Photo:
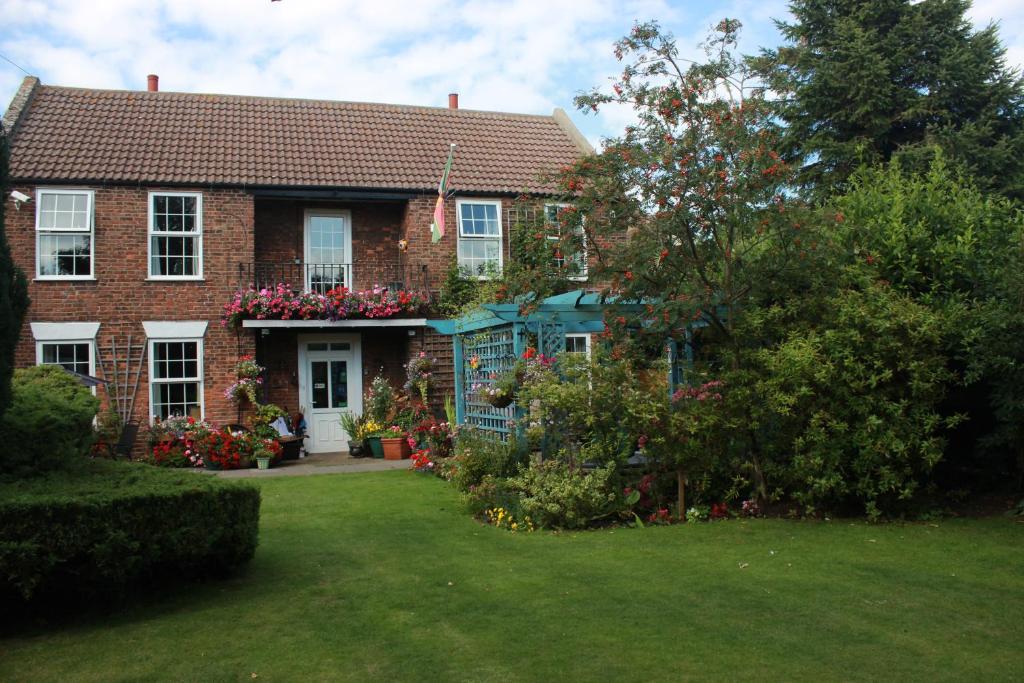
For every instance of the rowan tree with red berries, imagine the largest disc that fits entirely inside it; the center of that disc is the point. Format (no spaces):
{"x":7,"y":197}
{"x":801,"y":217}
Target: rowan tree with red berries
{"x":697,"y":184}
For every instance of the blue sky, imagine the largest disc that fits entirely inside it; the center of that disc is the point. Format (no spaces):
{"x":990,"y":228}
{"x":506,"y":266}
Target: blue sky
{"x":524,"y":56}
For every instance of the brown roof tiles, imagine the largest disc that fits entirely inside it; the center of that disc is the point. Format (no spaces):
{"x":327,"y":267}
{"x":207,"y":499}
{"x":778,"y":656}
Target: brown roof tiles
{"x":78,"y":135}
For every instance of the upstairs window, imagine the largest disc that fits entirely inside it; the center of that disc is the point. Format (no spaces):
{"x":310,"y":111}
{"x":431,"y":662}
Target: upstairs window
{"x":64,"y":234}
{"x":175,"y":235}
{"x":574,"y":263}
{"x":479,"y":248}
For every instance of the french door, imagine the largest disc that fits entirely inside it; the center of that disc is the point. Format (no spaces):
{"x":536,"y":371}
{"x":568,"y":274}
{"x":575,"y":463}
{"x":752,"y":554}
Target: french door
{"x":328,"y":247}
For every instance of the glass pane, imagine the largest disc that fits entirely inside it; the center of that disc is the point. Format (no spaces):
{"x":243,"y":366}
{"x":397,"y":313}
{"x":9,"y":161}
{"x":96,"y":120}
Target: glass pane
{"x":341,"y":346}
{"x":49,"y":202}
{"x":318,"y":384}
{"x":318,"y":346}
{"x":175,"y":398}
{"x":339,"y":384}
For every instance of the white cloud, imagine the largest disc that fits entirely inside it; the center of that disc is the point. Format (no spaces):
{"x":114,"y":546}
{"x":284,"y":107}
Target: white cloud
{"x":514,"y":55}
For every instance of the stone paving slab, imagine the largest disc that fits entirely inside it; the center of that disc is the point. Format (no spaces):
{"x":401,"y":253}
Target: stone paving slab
{"x":310,"y":466}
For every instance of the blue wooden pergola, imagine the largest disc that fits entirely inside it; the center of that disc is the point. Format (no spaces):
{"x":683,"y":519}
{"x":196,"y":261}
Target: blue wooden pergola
{"x":489,"y":341}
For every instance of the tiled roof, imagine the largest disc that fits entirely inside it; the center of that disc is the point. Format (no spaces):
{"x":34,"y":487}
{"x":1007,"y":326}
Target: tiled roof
{"x":79,"y":135}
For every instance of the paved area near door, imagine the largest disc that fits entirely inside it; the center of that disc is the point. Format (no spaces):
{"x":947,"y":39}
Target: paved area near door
{"x":321,"y":463}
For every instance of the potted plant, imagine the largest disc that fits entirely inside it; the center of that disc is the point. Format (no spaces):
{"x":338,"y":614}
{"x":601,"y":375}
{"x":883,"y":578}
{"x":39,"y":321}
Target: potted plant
{"x":248,"y":382}
{"x":395,"y":444}
{"x":351,"y":424}
{"x":371,"y":436}
{"x":263,"y":457}
{"x":502,"y":392}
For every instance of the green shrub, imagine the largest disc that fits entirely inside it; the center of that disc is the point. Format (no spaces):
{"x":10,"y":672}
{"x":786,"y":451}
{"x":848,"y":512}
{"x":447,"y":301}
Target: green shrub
{"x":477,"y":456}
{"x":92,"y":531}
{"x":492,"y":492}
{"x":554,"y":495}
{"x":49,"y":422}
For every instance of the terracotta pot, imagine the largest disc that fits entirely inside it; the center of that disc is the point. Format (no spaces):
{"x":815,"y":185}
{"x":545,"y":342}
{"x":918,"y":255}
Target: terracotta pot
{"x":395,"y":448}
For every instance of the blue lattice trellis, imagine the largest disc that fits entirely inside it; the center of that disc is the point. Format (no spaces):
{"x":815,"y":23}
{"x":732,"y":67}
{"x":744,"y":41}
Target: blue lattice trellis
{"x":489,"y":341}
{"x":485,"y":355}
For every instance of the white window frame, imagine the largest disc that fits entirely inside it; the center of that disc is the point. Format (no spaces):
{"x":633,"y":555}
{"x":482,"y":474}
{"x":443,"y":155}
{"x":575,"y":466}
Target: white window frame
{"x":586,"y":342}
{"x":66,"y":333}
{"x":53,"y":342}
{"x":176,"y":332}
{"x":90,"y":196}
{"x":500,"y":236}
{"x":197,"y":235}
{"x":582,"y":276}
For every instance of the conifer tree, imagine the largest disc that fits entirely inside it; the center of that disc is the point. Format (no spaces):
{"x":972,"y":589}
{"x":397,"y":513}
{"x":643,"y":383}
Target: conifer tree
{"x":13,"y":289}
{"x":864,"y":81}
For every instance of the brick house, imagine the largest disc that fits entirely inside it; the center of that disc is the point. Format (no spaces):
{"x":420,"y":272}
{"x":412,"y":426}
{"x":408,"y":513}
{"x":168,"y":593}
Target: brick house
{"x":148,"y":210}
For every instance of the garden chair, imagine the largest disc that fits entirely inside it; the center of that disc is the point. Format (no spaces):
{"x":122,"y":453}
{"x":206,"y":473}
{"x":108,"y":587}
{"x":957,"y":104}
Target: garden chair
{"x":123,"y":448}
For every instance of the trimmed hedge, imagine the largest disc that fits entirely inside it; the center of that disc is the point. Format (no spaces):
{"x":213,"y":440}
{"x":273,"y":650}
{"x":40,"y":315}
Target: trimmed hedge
{"x":95,"y":530}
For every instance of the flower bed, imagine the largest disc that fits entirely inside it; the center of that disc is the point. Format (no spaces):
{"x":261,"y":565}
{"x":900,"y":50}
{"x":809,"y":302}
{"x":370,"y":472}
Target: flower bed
{"x":283,"y":303}
{"x":186,"y":442}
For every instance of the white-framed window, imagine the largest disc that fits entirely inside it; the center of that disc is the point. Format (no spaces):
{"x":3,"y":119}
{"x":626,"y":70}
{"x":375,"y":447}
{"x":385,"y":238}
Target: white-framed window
{"x":578,"y":344}
{"x":75,"y":356}
{"x":64,"y":234}
{"x":175,"y":235}
{"x":576,"y":261}
{"x":175,"y":378}
{"x":479,"y":250}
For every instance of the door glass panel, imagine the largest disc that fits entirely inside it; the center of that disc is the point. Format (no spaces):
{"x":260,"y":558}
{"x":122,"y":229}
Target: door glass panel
{"x":341,"y":346}
{"x":318,"y":346}
{"x":339,"y":384}
{"x":318,"y":381}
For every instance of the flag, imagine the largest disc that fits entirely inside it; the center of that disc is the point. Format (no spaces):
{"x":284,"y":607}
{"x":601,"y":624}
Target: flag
{"x":437,"y":226}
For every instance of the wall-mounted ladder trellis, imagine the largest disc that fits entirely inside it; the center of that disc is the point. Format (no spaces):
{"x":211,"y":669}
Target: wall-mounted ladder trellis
{"x":121,"y":364}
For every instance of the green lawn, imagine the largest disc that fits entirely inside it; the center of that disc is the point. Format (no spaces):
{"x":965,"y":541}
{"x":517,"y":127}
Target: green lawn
{"x":382,"y":576}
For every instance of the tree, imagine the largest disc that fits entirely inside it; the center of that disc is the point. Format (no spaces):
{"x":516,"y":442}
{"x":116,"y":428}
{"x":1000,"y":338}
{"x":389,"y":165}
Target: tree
{"x":698,"y":184}
{"x":13,"y":289}
{"x":865,"y":81}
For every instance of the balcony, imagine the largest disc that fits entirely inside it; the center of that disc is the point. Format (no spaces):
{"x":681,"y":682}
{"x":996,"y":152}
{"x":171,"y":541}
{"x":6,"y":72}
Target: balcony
{"x":322,"y":277}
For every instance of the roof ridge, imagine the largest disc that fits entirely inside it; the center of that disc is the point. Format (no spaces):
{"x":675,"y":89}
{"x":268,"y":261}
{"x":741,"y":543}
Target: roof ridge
{"x":272,"y":99}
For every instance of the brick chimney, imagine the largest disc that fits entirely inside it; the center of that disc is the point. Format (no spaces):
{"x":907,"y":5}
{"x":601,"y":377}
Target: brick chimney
{"x":453,"y":100}
{"x":153,"y":83}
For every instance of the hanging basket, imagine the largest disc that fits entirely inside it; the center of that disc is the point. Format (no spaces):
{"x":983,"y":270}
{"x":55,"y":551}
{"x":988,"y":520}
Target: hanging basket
{"x":499,"y":400}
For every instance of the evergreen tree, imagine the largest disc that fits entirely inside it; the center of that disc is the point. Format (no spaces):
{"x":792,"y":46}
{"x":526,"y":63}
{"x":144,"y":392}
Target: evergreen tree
{"x":864,"y":81}
{"x":13,"y":289}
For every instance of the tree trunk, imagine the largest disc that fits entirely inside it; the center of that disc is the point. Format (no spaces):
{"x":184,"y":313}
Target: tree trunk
{"x":681,"y":483}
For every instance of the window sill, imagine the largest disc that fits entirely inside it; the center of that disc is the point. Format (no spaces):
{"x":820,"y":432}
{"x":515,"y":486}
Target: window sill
{"x":63,"y":278}
{"x":171,"y":278}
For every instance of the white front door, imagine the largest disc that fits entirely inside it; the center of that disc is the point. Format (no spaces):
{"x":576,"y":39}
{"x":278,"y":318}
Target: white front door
{"x":330,"y":382}
{"x":328,"y":249}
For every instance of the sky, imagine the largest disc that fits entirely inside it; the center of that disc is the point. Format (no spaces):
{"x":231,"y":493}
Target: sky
{"x":525,"y":56}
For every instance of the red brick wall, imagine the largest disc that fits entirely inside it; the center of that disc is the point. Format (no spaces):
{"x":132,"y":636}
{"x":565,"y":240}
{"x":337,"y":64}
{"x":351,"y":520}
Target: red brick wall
{"x":280,"y":226}
{"x":121,"y":297}
{"x":419,"y":213}
{"x":384,"y":348}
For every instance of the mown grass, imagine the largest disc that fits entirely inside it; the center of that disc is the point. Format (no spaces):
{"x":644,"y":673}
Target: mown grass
{"x":383,"y":577}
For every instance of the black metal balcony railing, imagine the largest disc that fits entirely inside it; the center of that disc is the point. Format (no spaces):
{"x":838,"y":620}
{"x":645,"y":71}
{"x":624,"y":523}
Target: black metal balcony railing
{"x":321,"y":277}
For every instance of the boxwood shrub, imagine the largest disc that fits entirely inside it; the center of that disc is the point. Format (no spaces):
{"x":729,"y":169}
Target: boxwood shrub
{"x":103,"y":528}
